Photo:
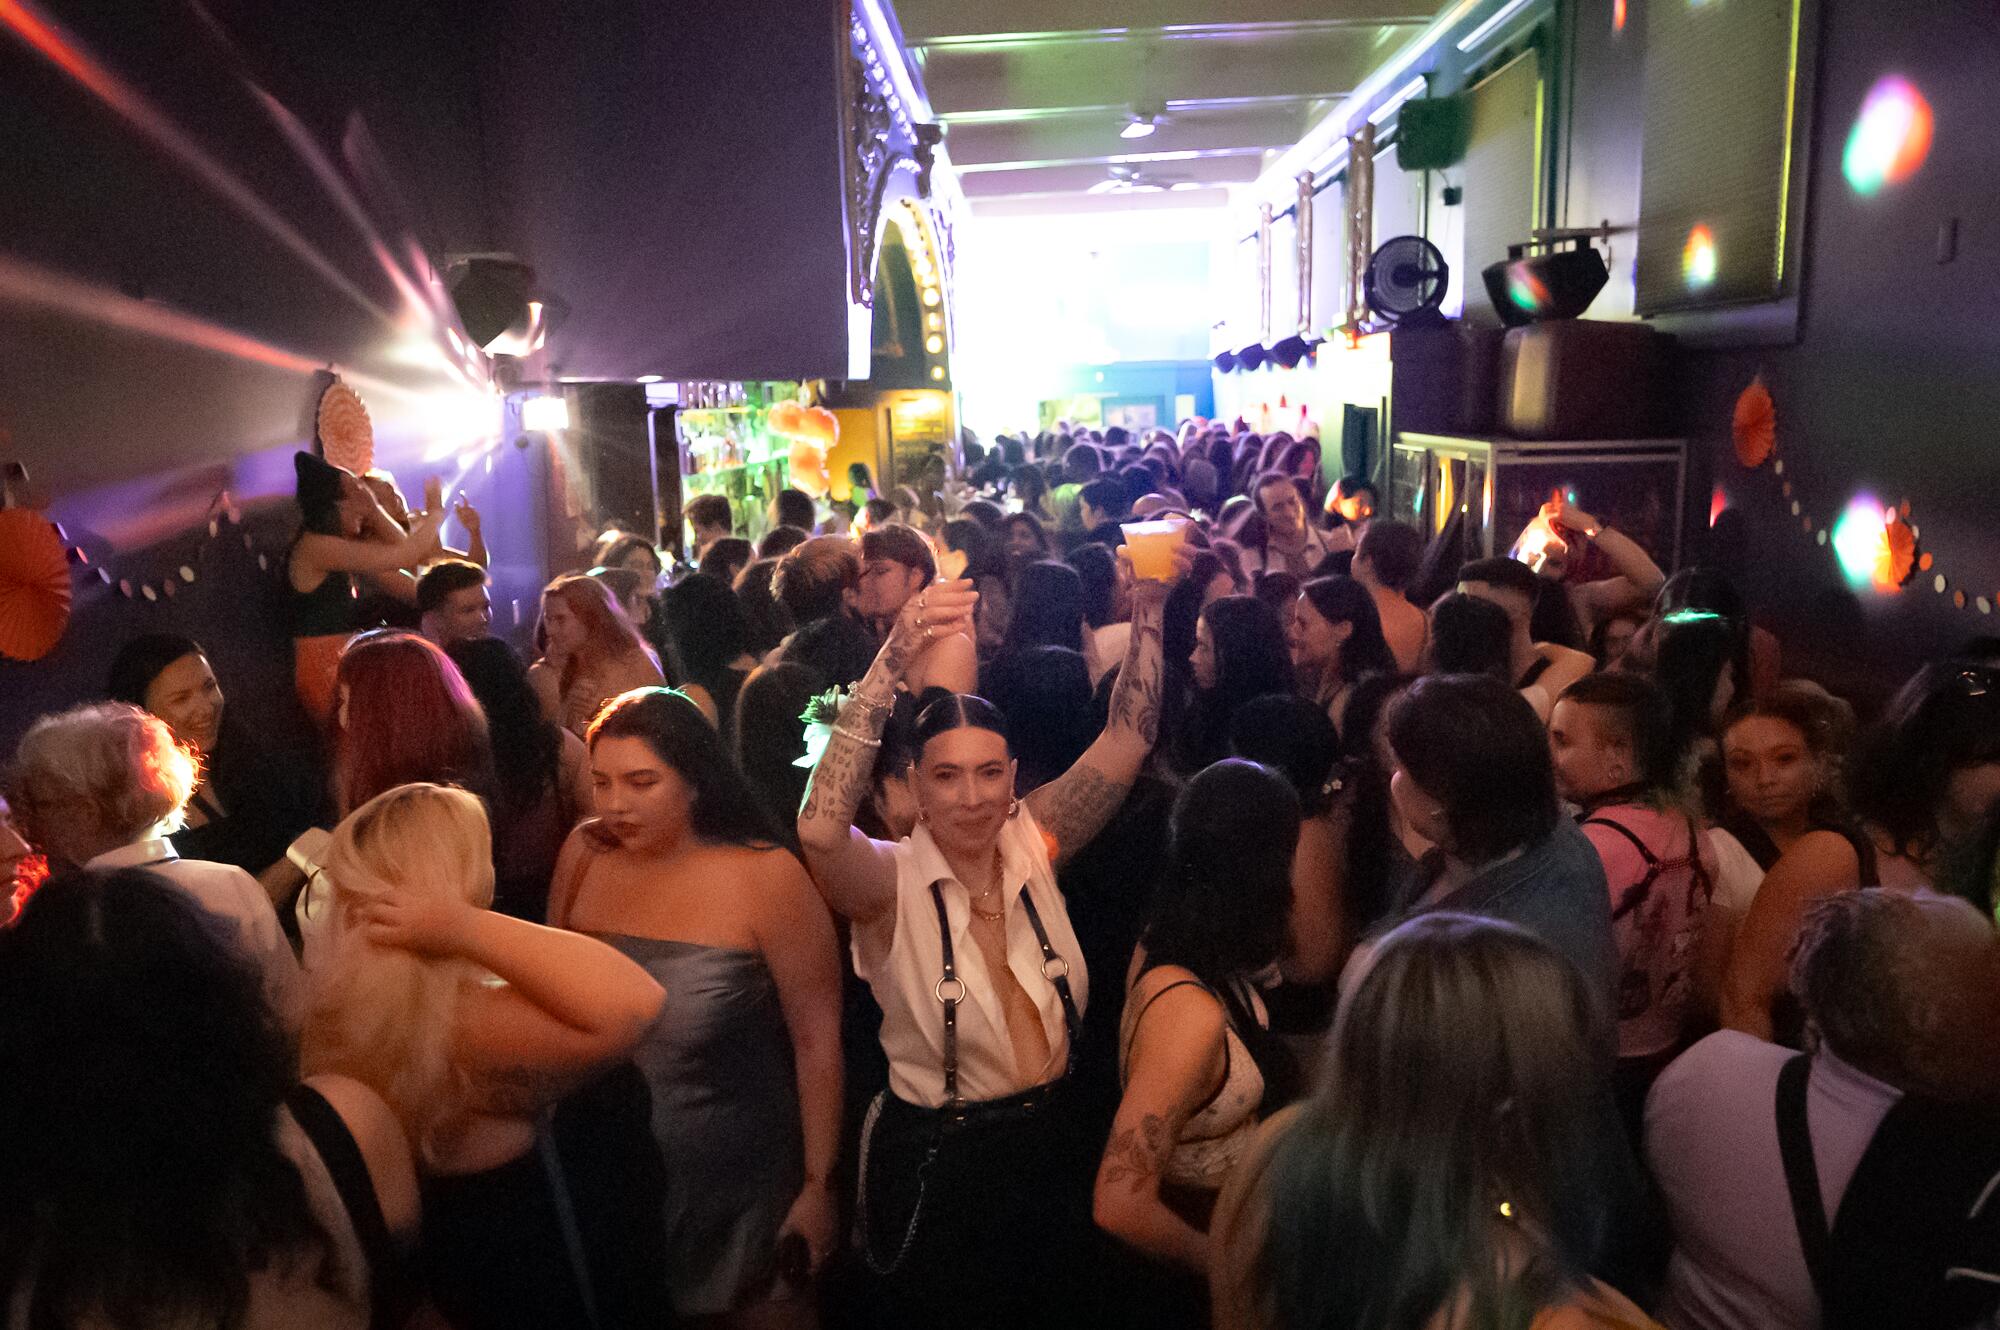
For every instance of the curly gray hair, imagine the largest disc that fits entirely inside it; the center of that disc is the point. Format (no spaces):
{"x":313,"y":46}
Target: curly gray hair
{"x":116,"y":761}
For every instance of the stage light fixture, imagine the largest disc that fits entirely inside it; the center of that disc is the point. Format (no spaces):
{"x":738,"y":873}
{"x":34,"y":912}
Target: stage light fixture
{"x":545,"y":414}
{"x":1556,"y":284}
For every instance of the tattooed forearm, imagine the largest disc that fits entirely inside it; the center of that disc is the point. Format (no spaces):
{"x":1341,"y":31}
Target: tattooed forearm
{"x":1074,"y":806}
{"x":839,"y":782}
{"x":1135,"y":703}
{"x":1135,"y":1155}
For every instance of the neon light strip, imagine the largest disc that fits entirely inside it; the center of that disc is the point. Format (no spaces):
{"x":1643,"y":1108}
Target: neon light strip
{"x":1326,"y":138}
{"x":1541,"y":167}
{"x":1395,"y":103}
{"x":1486,"y":29}
{"x":888,"y":45}
{"x":1785,"y":172}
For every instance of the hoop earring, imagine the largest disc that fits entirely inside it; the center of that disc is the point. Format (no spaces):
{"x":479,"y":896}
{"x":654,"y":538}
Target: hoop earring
{"x":1014,"y":808}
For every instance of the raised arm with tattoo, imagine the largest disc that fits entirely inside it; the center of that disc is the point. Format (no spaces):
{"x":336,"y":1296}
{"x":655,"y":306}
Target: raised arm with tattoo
{"x":1074,"y":807}
{"x":854,"y":873}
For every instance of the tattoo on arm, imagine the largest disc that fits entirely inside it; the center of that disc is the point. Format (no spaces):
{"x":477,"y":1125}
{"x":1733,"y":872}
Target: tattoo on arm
{"x":1074,"y":807}
{"x":840,"y":781}
{"x":1135,"y":705}
{"x":1135,"y":1155}
{"x":518,"y":1090}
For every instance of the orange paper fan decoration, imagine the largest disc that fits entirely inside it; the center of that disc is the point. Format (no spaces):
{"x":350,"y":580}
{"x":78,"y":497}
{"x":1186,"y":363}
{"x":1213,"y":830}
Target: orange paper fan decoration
{"x":1756,"y":424}
{"x":822,"y":425}
{"x":786,"y":418}
{"x":808,"y":466}
{"x":34,"y":585}
{"x":346,"y":435}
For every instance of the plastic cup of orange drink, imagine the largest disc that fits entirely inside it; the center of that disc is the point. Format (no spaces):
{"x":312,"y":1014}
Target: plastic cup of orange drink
{"x":1153,"y":544}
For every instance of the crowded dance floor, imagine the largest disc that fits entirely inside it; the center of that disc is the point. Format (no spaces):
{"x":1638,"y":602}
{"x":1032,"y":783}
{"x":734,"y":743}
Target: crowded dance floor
{"x":609,"y":719}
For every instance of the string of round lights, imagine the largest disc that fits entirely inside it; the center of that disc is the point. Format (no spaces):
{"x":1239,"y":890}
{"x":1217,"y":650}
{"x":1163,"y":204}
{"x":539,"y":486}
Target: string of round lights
{"x":1876,"y":545}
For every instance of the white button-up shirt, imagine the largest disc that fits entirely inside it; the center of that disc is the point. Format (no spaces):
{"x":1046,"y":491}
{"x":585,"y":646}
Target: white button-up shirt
{"x":229,"y":892}
{"x":902,"y":958}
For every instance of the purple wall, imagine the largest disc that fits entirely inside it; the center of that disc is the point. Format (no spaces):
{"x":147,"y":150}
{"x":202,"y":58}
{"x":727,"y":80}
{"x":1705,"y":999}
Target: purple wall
{"x":207,"y":206}
{"x":1890,"y":388}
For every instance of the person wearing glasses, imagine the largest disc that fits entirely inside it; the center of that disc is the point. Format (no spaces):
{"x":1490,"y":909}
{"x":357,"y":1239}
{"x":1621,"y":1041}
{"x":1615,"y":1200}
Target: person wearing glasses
{"x":1926,"y":778}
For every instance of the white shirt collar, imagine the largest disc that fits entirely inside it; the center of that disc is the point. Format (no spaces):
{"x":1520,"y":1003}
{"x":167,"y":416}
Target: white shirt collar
{"x":151,"y":850}
{"x":1015,"y":865}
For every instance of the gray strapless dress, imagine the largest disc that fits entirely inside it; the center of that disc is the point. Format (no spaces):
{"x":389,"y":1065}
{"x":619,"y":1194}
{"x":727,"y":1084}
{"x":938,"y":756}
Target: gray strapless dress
{"x":725,"y":1114}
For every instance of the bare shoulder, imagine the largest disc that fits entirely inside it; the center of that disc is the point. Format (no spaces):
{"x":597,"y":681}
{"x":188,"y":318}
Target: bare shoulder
{"x":384,"y":1146}
{"x":1176,"y":1000}
{"x":1819,"y":856}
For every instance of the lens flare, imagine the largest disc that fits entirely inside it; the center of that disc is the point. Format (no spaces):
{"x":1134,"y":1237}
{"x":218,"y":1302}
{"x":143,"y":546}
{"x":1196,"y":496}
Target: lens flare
{"x":1874,"y":545}
{"x":1890,"y":139}
{"x":1698,"y":257}
{"x":1529,"y":293}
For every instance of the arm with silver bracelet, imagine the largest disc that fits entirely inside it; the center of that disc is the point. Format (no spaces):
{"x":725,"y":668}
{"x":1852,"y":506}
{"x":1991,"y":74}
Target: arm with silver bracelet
{"x":856,"y":875}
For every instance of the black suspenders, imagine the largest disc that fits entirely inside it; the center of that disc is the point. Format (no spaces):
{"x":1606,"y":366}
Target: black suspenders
{"x":950,"y":989}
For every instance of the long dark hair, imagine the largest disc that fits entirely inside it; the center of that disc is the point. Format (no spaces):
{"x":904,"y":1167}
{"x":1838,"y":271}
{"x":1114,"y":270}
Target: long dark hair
{"x":1048,"y":609}
{"x":527,"y":746}
{"x":1470,"y":635}
{"x":1252,"y":659}
{"x":981,"y":548}
{"x":1344,"y":600}
{"x":1098,"y":567}
{"x":1183,"y":607}
{"x":770,"y":737}
{"x":726,"y":810}
{"x":706,"y":629}
{"x":1222,"y":909}
{"x":1691,"y":652}
{"x":1945,"y":719}
{"x":141,"y":1076}
{"x":319,"y":489}
{"x":1461,"y":1093}
{"x":1045,"y":695}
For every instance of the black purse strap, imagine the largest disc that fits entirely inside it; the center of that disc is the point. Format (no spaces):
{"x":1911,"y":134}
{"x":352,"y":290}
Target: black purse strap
{"x":1802,"y":1176}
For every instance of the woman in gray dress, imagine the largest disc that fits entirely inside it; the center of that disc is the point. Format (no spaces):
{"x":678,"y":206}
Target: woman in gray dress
{"x":681,"y":872}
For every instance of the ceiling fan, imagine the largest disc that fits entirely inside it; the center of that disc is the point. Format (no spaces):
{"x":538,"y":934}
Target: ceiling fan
{"x":1127,"y":179}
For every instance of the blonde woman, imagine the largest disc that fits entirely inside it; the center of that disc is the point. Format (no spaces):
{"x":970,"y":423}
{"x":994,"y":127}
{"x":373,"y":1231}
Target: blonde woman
{"x":589,"y":653}
{"x":470,"y":1025}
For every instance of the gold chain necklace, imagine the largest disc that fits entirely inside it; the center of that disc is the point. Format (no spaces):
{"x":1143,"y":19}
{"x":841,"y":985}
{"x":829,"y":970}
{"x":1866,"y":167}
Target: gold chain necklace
{"x":973,"y":898}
